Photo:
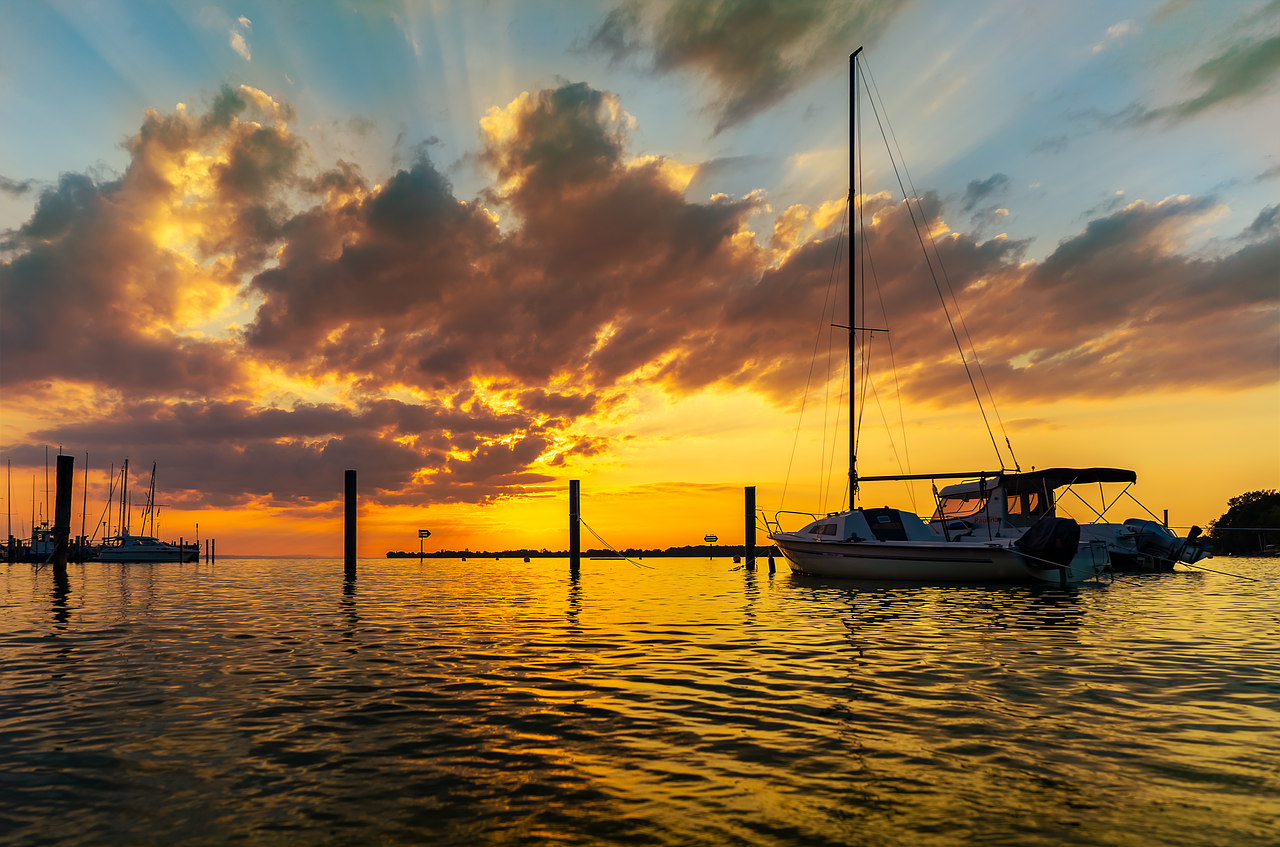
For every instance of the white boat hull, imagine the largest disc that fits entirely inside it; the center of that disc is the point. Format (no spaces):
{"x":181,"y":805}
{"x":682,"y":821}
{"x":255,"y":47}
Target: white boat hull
{"x":142,"y":550}
{"x":922,"y":561}
{"x":147,"y":557}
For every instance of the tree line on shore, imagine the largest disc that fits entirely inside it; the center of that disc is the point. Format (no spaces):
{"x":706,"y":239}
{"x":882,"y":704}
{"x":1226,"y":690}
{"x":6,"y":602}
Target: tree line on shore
{"x":1240,"y":531}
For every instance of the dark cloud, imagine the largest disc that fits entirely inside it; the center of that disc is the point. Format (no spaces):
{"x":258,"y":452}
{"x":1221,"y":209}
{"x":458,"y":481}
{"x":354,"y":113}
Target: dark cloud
{"x":617,"y":36}
{"x":981,"y":191}
{"x":1117,"y":310}
{"x":1242,"y":72}
{"x":602,"y":276}
{"x":1266,"y":224}
{"x":753,"y":53}
{"x":1270,"y":173}
{"x":15,"y":188}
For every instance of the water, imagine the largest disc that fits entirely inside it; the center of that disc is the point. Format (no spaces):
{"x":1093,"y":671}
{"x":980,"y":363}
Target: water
{"x":484,"y":702}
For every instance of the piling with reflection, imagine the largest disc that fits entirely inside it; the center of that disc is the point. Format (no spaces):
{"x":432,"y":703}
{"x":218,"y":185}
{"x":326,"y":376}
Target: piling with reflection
{"x":575,"y":512}
{"x":749,"y":507}
{"x":349,"y":534}
{"x":62,"y":514}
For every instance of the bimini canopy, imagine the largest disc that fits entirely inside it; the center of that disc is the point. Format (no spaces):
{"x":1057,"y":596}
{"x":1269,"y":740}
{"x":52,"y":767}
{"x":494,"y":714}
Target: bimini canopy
{"x":1042,"y":481}
{"x":1058,"y":477}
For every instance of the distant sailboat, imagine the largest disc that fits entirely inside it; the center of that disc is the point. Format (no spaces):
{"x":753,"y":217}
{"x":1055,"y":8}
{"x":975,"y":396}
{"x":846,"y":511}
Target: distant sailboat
{"x":124,"y":547}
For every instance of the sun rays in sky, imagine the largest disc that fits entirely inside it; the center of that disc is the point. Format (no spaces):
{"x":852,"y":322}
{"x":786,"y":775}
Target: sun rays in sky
{"x":476,"y":250}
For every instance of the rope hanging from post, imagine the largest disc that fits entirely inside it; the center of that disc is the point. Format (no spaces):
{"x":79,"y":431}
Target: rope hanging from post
{"x":610,"y":546}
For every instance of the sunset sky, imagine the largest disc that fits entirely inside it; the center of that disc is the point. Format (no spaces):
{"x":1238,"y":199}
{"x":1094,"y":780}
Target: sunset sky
{"x":474,"y":250}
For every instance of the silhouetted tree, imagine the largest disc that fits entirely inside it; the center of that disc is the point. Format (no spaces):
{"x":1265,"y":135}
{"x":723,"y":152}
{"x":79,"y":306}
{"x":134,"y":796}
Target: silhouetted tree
{"x":1254,"y":508}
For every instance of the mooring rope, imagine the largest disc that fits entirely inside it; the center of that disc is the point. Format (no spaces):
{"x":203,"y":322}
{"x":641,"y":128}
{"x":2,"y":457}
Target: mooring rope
{"x":611,"y":547}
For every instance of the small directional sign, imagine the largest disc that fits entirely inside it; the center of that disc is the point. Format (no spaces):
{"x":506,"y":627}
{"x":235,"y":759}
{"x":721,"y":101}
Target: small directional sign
{"x":711,"y":539}
{"x":424,"y":533}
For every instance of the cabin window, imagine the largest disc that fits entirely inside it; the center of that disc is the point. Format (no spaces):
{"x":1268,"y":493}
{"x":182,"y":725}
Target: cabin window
{"x":824,"y":529}
{"x":1026,"y":504}
{"x":959,"y":506}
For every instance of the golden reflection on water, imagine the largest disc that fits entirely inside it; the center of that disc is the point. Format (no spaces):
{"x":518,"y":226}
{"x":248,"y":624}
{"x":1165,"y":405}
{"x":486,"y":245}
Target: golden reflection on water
{"x":491,"y":701}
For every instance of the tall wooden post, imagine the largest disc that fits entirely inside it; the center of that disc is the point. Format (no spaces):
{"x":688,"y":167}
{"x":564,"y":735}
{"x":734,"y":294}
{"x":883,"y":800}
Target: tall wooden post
{"x":749,"y":507}
{"x":62,"y":514}
{"x":349,"y":535}
{"x":575,"y":513}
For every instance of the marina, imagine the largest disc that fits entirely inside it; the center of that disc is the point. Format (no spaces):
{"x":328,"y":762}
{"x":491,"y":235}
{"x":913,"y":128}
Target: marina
{"x":272,"y":700}
{"x":782,"y":472}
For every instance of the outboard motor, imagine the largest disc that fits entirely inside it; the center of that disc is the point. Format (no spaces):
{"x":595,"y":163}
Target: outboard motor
{"x":1053,"y":540}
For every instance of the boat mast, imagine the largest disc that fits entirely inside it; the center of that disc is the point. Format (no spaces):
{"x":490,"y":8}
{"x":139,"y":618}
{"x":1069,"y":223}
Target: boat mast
{"x":124,"y":498}
{"x":854,"y":217}
{"x":150,"y":512}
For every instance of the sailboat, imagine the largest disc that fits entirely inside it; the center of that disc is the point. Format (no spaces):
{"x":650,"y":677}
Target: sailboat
{"x":970,"y":542}
{"x":124,"y":547}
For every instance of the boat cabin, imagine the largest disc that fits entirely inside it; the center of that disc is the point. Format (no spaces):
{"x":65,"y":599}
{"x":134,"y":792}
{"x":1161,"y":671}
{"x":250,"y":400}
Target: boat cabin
{"x":1006,"y":504}
{"x":883,"y":524}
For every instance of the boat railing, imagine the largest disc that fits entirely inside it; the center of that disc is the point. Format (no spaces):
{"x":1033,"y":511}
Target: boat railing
{"x":776,"y":524}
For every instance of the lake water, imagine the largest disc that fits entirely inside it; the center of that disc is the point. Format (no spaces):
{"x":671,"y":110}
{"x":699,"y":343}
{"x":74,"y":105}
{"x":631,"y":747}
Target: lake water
{"x":504,"y":702}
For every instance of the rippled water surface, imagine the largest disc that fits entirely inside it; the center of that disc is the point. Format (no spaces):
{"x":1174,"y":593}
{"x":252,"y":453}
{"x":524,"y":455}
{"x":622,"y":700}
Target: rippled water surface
{"x":504,"y":702}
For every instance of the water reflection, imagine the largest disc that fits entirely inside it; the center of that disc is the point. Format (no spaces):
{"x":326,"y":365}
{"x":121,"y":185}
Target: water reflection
{"x":347,"y":605}
{"x":60,"y":594}
{"x":737,"y":709}
{"x":575,"y":599}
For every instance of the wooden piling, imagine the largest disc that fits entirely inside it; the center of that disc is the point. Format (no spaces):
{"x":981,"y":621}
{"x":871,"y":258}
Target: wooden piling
{"x":62,"y":514}
{"x":749,"y":507}
{"x":349,"y":523}
{"x":575,"y":515}
{"x":213,"y":550}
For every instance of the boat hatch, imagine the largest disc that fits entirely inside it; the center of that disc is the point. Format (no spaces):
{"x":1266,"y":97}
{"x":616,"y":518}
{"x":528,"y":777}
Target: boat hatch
{"x":886,"y":524}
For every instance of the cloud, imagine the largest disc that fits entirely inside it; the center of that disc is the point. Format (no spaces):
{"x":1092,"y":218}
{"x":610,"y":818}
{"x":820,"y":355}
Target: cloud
{"x":752,"y":53}
{"x":981,"y":191}
{"x":1265,"y":225}
{"x":1269,"y":174}
{"x":1115,"y":34}
{"x":238,"y":43}
{"x":1242,"y":72}
{"x":15,"y":188}
{"x":400,"y":329}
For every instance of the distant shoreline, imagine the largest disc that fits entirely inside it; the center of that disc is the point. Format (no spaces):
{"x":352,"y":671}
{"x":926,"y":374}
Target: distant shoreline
{"x":712,"y":550}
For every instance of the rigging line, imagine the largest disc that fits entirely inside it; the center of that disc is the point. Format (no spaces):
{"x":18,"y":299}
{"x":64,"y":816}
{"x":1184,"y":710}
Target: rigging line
{"x":835,"y":439}
{"x":610,"y":546}
{"x":893,"y":364}
{"x":1135,"y":499}
{"x":1223,"y":573}
{"x":959,"y":312}
{"x":892,"y":445}
{"x":1072,"y":492}
{"x":833,"y":289}
{"x":938,"y":286}
{"x":835,"y":261}
{"x":823,"y":467}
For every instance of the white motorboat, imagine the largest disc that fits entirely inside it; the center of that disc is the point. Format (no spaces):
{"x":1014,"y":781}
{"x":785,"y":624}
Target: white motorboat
{"x":894,"y":544}
{"x":1006,"y":505}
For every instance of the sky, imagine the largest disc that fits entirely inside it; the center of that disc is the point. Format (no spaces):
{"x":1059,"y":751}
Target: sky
{"x":476,"y":250}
